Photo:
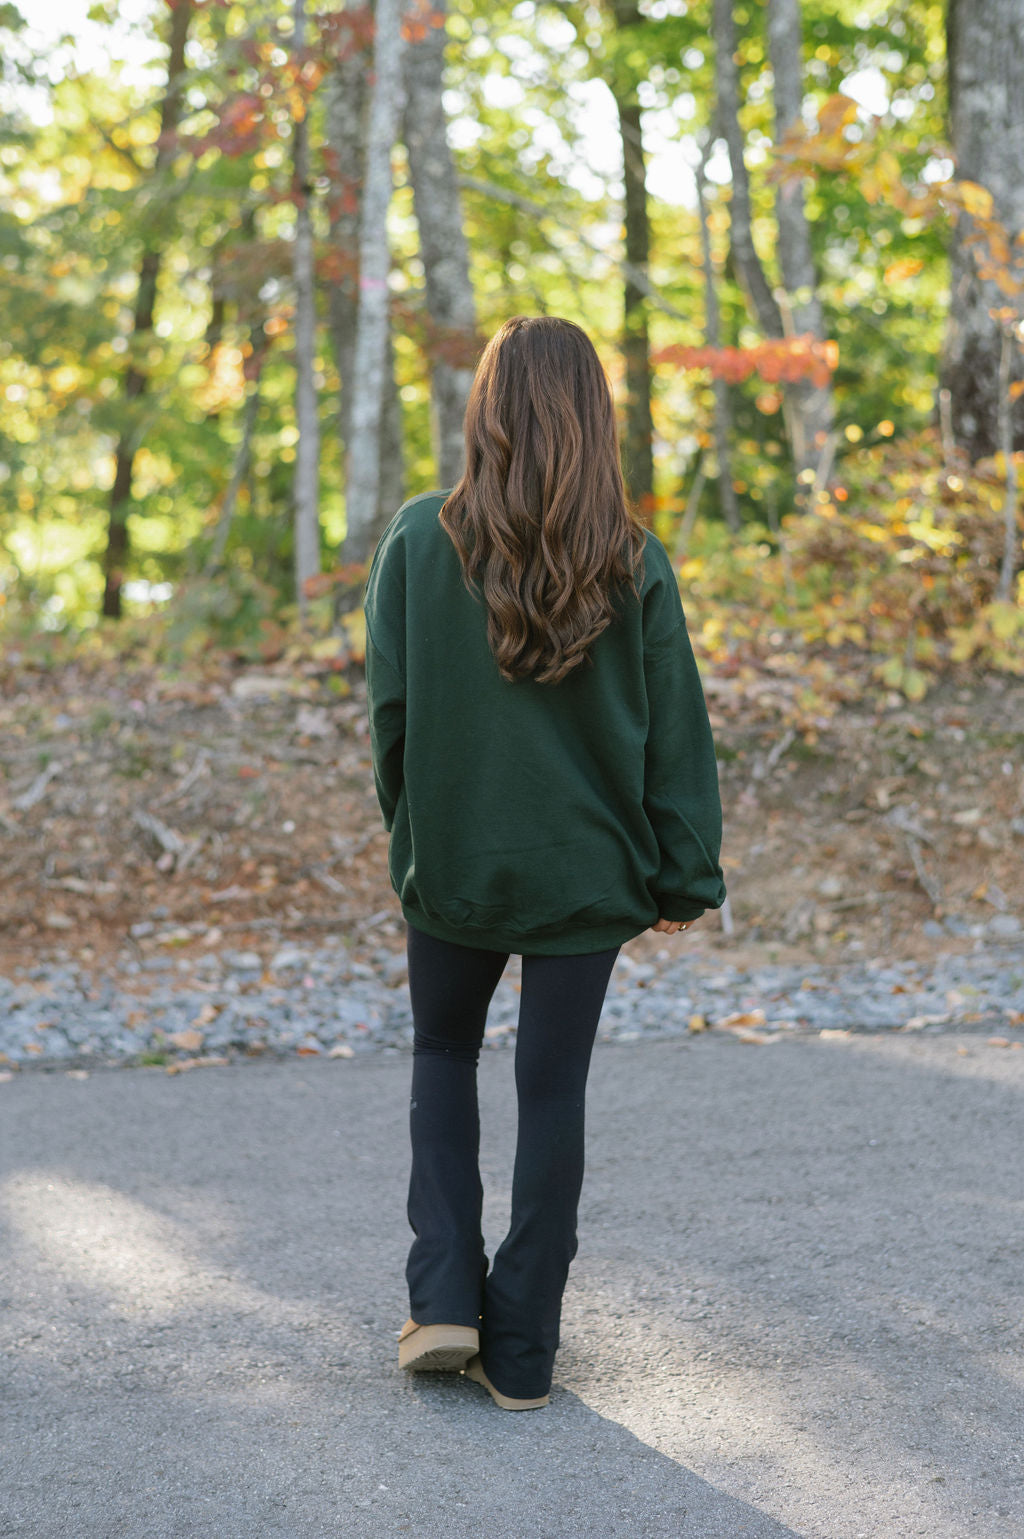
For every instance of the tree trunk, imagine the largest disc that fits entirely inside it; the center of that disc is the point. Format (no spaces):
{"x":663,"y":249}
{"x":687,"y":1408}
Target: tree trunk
{"x":239,"y":473}
{"x":135,"y":379}
{"x":985,"y":46}
{"x":346,"y":140}
{"x":369,"y":368}
{"x":347,"y":101}
{"x":727,"y":90}
{"x":638,"y":442}
{"x":785,"y":47}
{"x":443,"y":248}
{"x":713,"y":335}
{"x":1011,"y":534}
{"x":306,"y":483}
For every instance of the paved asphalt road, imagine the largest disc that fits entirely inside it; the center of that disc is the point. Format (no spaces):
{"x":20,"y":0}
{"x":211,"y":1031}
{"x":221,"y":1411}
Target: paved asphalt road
{"x":797,"y":1308}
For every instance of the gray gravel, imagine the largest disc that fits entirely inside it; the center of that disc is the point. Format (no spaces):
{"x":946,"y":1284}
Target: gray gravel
{"x":316,"y":999}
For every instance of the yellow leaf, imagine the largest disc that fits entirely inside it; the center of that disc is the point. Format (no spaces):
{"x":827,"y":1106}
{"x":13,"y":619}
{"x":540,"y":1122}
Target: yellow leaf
{"x":977,"y":200}
{"x":327,"y":647}
{"x":1005,"y":619}
{"x":909,"y":267}
{"x":1006,"y":283}
{"x":888,"y":170}
{"x":835,"y":113}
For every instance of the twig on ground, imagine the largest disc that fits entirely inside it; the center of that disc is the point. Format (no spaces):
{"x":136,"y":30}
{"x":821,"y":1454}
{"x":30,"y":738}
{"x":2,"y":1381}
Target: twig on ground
{"x":326,"y":879}
{"x":930,"y":883}
{"x":165,"y":837}
{"x":908,"y":825}
{"x":37,"y":790}
{"x":348,"y":849}
{"x":199,"y":768}
{"x":866,"y":900}
{"x":189,"y":853}
{"x":764,"y":769}
{"x":914,"y":835}
{"x":86,"y":889}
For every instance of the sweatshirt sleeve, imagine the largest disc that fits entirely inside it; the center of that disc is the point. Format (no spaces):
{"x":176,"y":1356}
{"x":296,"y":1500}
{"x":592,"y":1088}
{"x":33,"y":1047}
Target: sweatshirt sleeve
{"x":385,"y":699}
{"x":385,"y":675}
{"x":681,"y":796}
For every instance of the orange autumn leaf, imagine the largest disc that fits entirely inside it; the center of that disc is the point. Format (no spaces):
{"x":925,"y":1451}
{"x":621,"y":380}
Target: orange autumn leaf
{"x":909,"y":267}
{"x":777,"y":360}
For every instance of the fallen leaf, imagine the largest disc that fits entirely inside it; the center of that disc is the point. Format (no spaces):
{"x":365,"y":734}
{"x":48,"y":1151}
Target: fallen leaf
{"x":209,"y":1061}
{"x":742,"y":1018}
{"x":189,"y":1040}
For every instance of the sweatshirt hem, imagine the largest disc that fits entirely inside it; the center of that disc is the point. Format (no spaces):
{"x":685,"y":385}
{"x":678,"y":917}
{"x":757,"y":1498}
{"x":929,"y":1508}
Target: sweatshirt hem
{"x":580,"y":941}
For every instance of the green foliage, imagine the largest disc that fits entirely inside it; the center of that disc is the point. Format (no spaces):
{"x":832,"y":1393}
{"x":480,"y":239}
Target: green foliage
{"x":899,"y":565}
{"x":890,"y":581}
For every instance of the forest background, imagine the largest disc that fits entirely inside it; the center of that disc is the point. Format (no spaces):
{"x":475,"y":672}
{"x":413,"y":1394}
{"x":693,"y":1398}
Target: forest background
{"x":249,"y":254}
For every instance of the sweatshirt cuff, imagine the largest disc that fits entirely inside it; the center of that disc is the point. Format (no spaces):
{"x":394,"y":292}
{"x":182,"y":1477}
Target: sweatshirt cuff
{"x":679,"y":909}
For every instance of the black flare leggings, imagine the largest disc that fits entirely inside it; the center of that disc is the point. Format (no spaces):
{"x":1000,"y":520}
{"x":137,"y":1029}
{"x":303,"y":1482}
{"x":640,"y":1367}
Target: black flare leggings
{"x":518,"y":1304}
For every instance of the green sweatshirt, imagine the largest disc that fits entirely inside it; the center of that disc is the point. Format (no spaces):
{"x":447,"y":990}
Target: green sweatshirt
{"x":535,"y":818}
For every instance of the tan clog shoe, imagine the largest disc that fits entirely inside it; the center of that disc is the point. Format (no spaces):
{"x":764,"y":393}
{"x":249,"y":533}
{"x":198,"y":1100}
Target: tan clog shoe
{"x":474,"y":1370}
{"x":436,"y":1347}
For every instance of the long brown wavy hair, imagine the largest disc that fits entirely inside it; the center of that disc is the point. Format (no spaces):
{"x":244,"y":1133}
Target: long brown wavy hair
{"x":540,"y":514}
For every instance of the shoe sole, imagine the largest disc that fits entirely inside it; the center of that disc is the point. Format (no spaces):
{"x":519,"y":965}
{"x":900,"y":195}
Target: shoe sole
{"x":474,"y":1370}
{"x":438,"y":1348}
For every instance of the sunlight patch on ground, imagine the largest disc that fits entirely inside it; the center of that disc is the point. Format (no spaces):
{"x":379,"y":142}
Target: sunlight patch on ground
{"x":91,"y":1235}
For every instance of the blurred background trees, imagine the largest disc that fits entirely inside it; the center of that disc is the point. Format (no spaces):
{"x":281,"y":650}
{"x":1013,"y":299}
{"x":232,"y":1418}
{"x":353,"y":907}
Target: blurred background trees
{"x":249,"y":254}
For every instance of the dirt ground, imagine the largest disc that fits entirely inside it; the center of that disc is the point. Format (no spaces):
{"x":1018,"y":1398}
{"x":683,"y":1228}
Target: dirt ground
{"x":234,"y":807}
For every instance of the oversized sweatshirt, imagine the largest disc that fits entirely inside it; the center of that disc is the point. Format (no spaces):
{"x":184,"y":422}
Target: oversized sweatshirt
{"x":525,"y":817}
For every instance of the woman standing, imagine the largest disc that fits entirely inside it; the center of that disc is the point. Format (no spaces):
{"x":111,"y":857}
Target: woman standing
{"x":544,"y":764}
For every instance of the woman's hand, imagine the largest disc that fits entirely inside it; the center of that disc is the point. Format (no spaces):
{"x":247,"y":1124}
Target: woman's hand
{"x":670,"y":926}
